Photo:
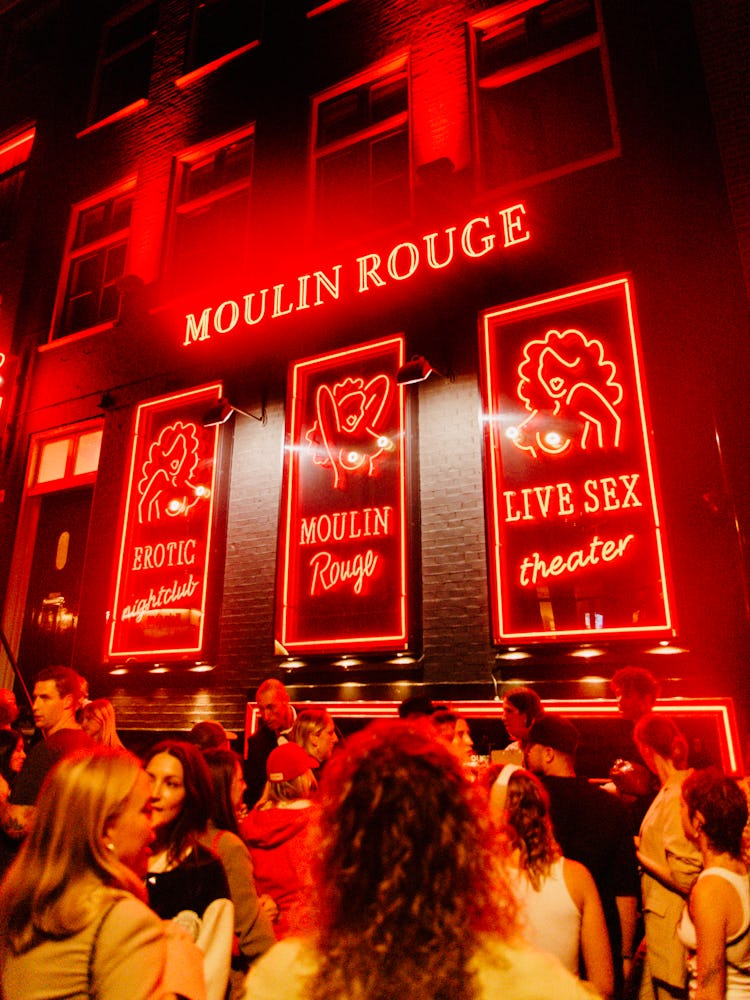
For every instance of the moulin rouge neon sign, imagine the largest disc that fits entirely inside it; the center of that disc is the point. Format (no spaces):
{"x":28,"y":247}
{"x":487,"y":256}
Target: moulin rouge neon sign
{"x":160,"y":597}
{"x":342,"y":566}
{"x":575,"y":528}
{"x":435,"y":251}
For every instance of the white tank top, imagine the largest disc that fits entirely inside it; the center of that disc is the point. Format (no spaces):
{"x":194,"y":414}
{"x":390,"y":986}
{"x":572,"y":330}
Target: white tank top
{"x":550,"y":919}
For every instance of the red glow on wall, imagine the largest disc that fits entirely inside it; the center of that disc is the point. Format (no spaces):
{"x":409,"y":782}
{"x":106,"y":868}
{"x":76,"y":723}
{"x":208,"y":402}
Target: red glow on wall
{"x":574,"y":524}
{"x":159,"y":606}
{"x":342,"y":566}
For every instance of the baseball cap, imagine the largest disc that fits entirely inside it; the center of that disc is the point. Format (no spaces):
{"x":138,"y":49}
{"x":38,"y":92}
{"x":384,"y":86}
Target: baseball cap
{"x":555,"y":732}
{"x":289,"y":761}
{"x":209,"y":735}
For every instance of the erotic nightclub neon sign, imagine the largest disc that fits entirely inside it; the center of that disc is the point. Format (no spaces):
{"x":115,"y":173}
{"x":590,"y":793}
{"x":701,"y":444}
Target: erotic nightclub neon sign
{"x":575,"y":529}
{"x":435,"y":251}
{"x":160,"y":591}
{"x":342,"y":566}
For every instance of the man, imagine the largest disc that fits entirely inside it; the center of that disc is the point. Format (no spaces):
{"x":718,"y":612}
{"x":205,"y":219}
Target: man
{"x":57,"y":693}
{"x":276,"y":722}
{"x":636,"y":690}
{"x":591,"y":827}
{"x":8,"y":708}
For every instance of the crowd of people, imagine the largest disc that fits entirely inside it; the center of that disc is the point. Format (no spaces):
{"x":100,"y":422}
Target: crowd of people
{"x":365,"y":867}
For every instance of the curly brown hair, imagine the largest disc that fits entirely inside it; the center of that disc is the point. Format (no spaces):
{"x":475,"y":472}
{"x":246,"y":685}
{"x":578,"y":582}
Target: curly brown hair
{"x":407,"y":877}
{"x":528,"y":827}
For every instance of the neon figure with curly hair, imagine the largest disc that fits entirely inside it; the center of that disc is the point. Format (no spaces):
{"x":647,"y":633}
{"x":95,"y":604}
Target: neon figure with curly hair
{"x":166,"y":485}
{"x":570,"y":391}
{"x":347,"y":434}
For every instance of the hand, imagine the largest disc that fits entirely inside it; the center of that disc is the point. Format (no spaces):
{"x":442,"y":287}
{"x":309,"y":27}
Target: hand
{"x":269,"y":906}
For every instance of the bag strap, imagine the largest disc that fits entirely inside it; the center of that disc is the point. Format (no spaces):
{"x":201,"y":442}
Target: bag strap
{"x":90,"y":973}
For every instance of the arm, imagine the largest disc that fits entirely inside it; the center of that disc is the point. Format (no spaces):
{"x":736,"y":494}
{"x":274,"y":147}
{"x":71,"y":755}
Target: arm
{"x":597,"y":954}
{"x":627,"y":908}
{"x":709,"y":912}
{"x":251,"y":920}
{"x":16,"y":820}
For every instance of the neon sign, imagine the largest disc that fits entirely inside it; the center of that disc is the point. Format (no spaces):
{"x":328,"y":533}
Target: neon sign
{"x":343,"y":567}
{"x":574,"y":524}
{"x":160,"y":597}
{"x":477,"y":238}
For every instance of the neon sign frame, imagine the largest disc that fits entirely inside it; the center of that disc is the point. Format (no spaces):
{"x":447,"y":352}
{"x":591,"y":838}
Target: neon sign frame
{"x":171,"y":452}
{"x":719,"y":711}
{"x":345,"y":483}
{"x":569,"y":455}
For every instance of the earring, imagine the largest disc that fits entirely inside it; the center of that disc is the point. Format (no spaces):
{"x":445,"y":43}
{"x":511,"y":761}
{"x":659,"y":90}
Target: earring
{"x":109,"y":845}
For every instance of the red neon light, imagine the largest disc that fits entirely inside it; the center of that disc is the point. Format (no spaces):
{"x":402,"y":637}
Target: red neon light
{"x":720,"y":711}
{"x":159,"y":606}
{"x":574,"y":523}
{"x":343,"y":568}
{"x":477,"y":238}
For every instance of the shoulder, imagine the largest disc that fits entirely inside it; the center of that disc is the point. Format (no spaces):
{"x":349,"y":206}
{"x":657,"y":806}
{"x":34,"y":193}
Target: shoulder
{"x":284,"y":970}
{"x":518,"y":970}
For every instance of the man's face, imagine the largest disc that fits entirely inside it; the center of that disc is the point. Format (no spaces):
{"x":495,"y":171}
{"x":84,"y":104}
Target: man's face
{"x":533,"y":758}
{"x":633,"y":705}
{"x":48,"y":707}
{"x":273,"y":708}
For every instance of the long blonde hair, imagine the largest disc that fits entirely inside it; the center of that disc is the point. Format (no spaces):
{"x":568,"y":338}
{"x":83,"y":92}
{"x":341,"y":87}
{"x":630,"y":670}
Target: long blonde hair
{"x":49,"y":890}
{"x":103,"y":712}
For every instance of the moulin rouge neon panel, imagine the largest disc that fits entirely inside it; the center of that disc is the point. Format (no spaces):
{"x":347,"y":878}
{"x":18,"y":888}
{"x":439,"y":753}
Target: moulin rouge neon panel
{"x":575,"y":530}
{"x":160,"y":594}
{"x":343,"y":572}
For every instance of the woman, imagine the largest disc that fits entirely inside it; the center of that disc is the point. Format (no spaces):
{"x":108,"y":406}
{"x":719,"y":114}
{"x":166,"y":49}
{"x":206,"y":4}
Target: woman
{"x":562,"y":911}
{"x":715,"y":925}
{"x":73,"y":916}
{"x":315,"y":732}
{"x":669,"y":861}
{"x":521,"y":708}
{"x":252,"y":925}
{"x":275,"y":830}
{"x":12,"y":756}
{"x":409,"y":899}
{"x":98,"y":721}
{"x":454,"y":731}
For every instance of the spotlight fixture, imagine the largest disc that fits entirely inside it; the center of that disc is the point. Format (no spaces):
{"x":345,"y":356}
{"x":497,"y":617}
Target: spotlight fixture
{"x":223,"y":410}
{"x":415,"y":370}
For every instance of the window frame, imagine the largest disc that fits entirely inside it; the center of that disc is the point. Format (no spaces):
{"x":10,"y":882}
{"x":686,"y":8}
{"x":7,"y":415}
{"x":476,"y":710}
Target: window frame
{"x":10,"y":142}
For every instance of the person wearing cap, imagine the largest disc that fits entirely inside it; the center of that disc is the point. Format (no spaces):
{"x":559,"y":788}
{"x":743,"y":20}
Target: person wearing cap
{"x":275,"y":830}
{"x":211,"y":735}
{"x":591,"y":827}
{"x":277,"y":718}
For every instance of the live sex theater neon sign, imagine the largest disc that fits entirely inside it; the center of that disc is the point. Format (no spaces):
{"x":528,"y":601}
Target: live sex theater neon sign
{"x":159,"y":605}
{"x":574,"y":524}
{"x":343,"y":566}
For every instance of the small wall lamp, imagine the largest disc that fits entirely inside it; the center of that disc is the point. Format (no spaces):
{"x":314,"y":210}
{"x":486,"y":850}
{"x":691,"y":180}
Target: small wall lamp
{"x":223,"y":410}
{"x":415,"y":370}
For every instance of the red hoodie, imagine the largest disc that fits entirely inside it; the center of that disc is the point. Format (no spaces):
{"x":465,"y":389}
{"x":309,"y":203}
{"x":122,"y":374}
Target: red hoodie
{"x":279,"y":848}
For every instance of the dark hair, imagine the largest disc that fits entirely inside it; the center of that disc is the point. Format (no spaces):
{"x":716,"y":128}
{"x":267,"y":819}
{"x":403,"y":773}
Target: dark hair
{"x":723,"y":806}
{"x":9,"y":740}
{"x":636,"y":679}
{"x":222,"y":765}
{"x":528,"y":827}
{"x":660,"y":734}
{"x":185,"y":830}
{"x":405,"y":869}
{"x":67,"y":681}
{"x":526,"y":701}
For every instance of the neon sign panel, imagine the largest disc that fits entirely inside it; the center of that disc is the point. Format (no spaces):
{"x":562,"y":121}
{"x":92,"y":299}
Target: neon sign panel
{"x":343,"y":566}
{"x":160,"y":592}
{"x":574,"y":523}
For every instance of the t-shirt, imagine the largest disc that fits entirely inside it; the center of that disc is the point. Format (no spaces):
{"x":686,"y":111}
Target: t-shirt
{"x":42,"y":759}
{"x":192,"y":885}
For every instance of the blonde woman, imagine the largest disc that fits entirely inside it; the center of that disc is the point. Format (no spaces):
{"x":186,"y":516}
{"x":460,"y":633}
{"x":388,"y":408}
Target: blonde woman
{"x":275,"y":830}
{"x":315,"y":732}
{"x":98,"y":721}
{"x":73,"y":916}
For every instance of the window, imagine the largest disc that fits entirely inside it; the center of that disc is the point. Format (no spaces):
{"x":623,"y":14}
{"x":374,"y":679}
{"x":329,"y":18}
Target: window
{"x":96,"y":262}
{"x":211,"y":216}
{"x":542,"y":96}
{"x":361,"y":153}
{"x":221,"y":28}
{"x":65,"y":461}
{"x":125,"y":57}
{"x":14,"y":154}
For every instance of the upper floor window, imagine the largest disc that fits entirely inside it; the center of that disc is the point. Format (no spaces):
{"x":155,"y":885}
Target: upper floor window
{"x":361,"y":152}
{"x":95,"y":262}
{"x":211,"y":211}
{"x":14,"y":154}
{"x":125,"y":57}
{"x":542,"y":95}
{"x":221,"y":28}
{"x":64,"y":459}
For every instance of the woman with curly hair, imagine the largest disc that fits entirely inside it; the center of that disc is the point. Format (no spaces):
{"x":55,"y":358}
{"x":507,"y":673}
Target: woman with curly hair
{"x":562,"y":912}
{"x":408,"y":897}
